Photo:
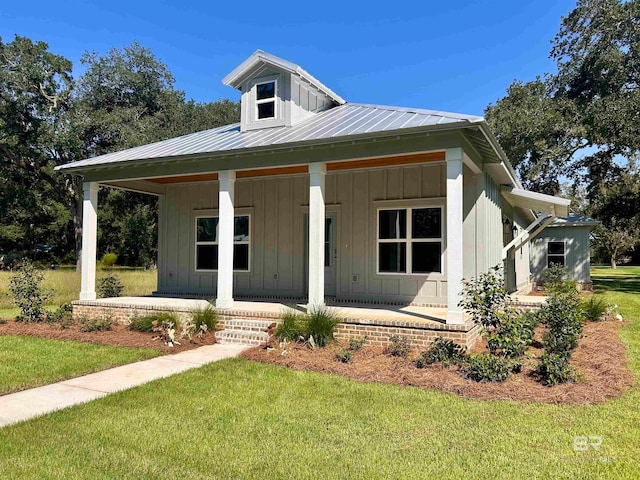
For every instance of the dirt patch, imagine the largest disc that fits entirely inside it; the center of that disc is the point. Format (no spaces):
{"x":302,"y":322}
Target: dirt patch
{"x":119,"y":335}
{"x":600,"y":360}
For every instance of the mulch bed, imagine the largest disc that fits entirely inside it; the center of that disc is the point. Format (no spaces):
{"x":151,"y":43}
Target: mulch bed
{"x":119,"y":335}
{"x":600,"y":360}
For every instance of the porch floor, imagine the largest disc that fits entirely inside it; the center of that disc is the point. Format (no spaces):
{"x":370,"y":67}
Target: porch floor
{"x":428,"y":316}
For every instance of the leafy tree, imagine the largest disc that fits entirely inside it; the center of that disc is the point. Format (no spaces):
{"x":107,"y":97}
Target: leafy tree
{"x":35,"y":89}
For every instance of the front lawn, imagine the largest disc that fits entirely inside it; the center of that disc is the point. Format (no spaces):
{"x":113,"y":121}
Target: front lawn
{"x":632,"y":271}
{"x":238,"y":419}
{"x":27,"y":362}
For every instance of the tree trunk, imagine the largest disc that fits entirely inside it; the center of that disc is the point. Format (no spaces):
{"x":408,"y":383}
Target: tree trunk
{"x":613,"y":262}
{"x":75,"y":205}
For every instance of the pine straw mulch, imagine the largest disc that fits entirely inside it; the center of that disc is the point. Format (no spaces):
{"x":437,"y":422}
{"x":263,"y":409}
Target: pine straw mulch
{"x":600,"y":360}
{"x":119,"y":336}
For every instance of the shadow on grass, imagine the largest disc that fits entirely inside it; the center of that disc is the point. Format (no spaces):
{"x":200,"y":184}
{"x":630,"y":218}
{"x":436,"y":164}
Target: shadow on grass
{"x":601,"y":286}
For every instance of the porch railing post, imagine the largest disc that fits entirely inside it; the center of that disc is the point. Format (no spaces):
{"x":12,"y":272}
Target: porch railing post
{"x":317,"y":172}
{"x":89,"y":240}
{"x":224,"y":297}
{"x":455,"y":243}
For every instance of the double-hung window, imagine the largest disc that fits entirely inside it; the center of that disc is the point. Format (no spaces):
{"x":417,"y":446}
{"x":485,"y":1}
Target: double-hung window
{"x":410,"y":240}
{"x":556,"y":254}
{"x":207,"y":243}
{"x":266,"y":100}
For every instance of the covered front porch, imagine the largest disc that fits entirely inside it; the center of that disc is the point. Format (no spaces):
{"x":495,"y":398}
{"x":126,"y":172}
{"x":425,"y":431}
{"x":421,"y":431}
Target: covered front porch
{"x":429,"y":182}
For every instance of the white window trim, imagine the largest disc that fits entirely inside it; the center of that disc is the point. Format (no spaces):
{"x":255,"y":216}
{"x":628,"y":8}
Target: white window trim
{"x":409,"y":240}
{"x":197,"y":243}
{"x":273,"y":99}
{"x":556,"y":255}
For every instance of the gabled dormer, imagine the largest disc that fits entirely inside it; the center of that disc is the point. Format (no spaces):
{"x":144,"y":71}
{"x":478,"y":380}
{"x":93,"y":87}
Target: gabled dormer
{"x":276,"y":92}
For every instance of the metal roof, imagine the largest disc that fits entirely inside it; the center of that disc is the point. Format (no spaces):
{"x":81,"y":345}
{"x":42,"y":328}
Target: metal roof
{"x":339,"y":123}
{"x":260,"y":57}
{"x":574,"y":220}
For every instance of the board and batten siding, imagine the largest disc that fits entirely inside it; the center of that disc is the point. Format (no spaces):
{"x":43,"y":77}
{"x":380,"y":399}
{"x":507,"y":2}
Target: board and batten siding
{"x":278,"y":206}
{"x":577,"y":252}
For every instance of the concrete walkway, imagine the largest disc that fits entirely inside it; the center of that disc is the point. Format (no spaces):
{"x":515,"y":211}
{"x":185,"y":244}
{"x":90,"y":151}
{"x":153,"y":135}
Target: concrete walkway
{"x":20,"y":406}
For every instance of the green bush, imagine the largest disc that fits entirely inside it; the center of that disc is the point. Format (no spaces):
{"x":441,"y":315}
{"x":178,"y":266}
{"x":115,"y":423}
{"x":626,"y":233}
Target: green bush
{"x":207,"y":317}
{"x":446,"y":351}
{"x":109,"y":260}
{"x":96,"y":324}
{"x":356,"y":344}
{"x":28,"y":295}
{"x":320,"y":325}
{"x":399,"y":346}
{"x":595,"y":309}
{"x":61,"y":315}
{"x":556,"y":281}
{"x":562,"y":316}
{"x":508,"y":332}
{"x":487,"y":368}
{"x":290,"y":328}
{"x":513,"y":335}
{"x":145,"y":323}
{"x":485,"y":298}
{"x":345,"y":355}
{"x":110,"y":287}
{"x":553,"y":369}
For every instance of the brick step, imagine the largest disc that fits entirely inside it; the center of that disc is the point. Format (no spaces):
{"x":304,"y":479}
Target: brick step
{"x":247,"y":325}
{"x":242,"y":337}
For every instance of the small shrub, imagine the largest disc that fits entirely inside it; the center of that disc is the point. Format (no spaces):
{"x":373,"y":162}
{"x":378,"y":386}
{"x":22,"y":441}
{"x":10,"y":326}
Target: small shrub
{"x":110,"y":287}
{"x":345,"y":356}
{"x":61,"y":315}
{"x":166,"y":332}
{"x":207,"y":317}
{"x":487,"y":368}
{"x":190,"y":329}
{"x":356,"y":344}
{"x":320,"y":325}
{"x":290,"y":328}
{"x":109,"y":260}
{"x":485,"y":298}
{"x":513,"y":335}
{"x":145,"y":323}
{"x":595,"y":309}
{"x":556,"y":281}
{"x":399,"y":347}
{"x":28,"y":295}
{"x":446,"y":351}
{"x":3,"y":321}
{"x":553,"y":369}
{"x":563,"y":317}
{"x":96,"y":324}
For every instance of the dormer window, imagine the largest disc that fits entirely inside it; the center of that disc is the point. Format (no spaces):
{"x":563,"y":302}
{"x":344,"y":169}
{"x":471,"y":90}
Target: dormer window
{"x":266,"y":100}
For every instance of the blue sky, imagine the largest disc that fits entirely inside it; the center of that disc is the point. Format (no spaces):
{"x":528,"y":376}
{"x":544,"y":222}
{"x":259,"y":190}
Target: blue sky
{"x":453,"y":55}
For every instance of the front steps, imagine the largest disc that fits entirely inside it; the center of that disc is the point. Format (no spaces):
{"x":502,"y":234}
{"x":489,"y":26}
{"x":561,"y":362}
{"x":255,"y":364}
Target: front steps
{"x":244,"y":332}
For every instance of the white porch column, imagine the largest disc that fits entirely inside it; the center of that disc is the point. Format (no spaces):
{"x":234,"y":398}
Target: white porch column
{"x":317,"y":172}
{"x":89,"y":241}
{"x":455,"y":245}
{"x":224,"y":298}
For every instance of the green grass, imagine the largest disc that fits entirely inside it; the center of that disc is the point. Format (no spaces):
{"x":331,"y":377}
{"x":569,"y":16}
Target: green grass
{"x":238,"y":419}
{"x":64,"y":285}
{"x":27,"y":362}
{"x":632,"y":271}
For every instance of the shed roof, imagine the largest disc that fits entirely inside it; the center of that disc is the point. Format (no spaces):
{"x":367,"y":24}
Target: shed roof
{"x":342,"y":122}
{"x":574,"y":220}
